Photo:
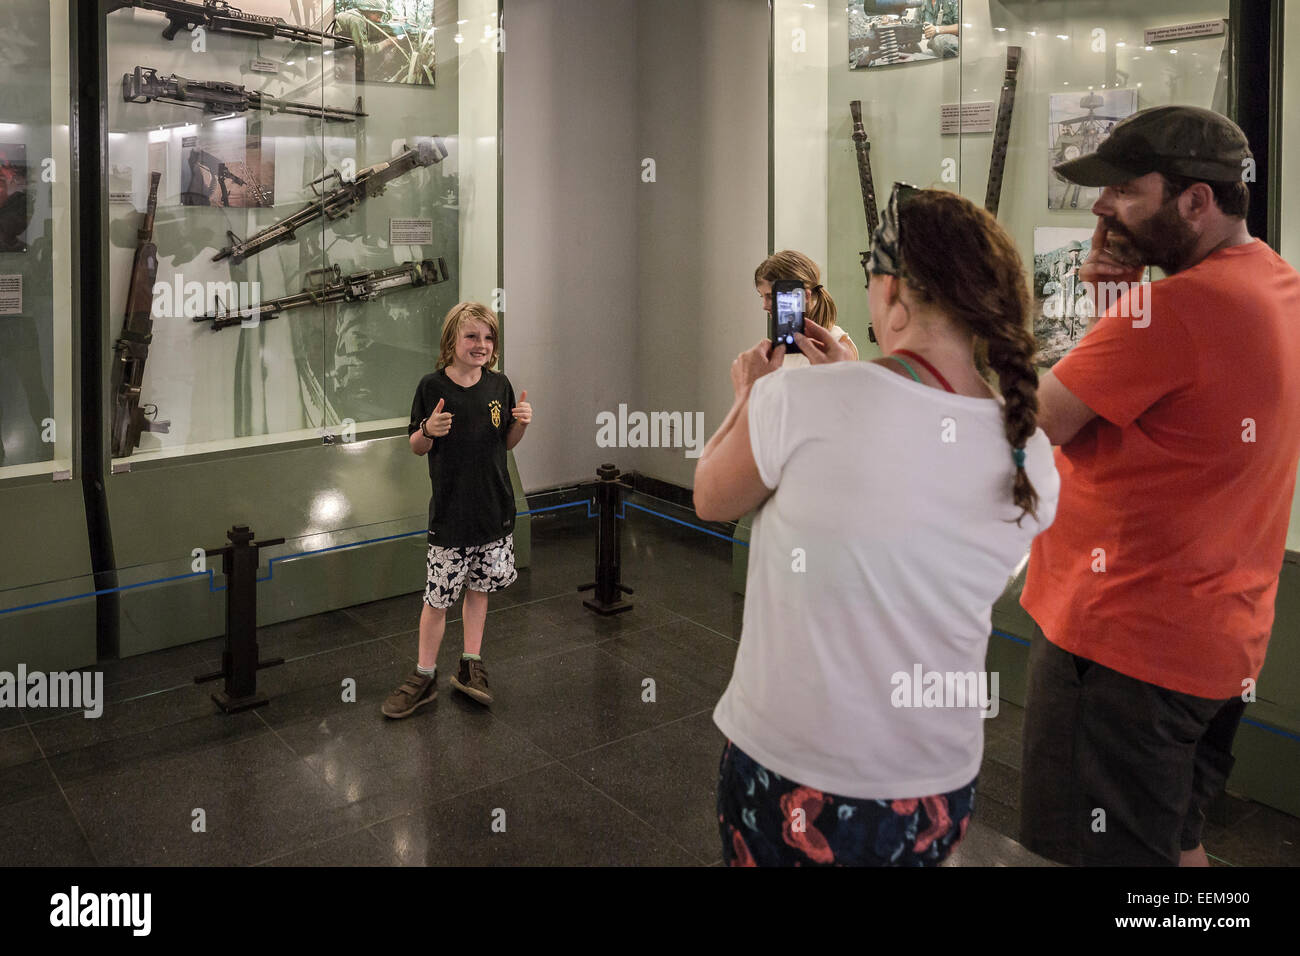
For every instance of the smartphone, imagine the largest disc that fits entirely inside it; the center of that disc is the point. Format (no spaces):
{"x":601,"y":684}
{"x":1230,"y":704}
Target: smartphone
{"x":786,"y":317}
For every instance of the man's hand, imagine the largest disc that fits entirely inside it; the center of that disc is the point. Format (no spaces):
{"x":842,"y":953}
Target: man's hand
{"x":438,"y":424}
{"x":820,"y":346}
{"x":928,"y":30}
{"x":523,"y":412}
{"x":752,"y":365}
{"x":1105,"y":265}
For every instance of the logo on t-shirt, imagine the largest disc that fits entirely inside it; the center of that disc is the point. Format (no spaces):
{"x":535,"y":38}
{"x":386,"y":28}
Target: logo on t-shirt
{"x":496,"y":413}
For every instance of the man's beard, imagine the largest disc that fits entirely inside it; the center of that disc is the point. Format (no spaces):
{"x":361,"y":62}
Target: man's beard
{"x":1164,"y":239}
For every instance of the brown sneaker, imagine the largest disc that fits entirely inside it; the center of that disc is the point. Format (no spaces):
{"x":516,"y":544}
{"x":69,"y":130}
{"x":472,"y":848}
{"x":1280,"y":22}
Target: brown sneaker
{"x":416,"y":691}
{"x":472,"y":680}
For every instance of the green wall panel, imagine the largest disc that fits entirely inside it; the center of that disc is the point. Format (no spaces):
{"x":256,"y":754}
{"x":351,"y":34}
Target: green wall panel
{"x":45,"y":557}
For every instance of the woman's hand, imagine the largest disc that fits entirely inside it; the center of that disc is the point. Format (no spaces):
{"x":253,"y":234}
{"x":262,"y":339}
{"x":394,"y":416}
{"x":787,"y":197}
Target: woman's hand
{"x":820,"y":346}
{"x":750,"y":366}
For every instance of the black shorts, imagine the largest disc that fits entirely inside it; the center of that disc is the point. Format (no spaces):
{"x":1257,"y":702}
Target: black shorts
{"x":1116,"y":771}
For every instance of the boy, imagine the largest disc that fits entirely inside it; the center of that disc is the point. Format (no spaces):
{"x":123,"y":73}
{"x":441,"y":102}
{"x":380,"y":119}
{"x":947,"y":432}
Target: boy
{"x":459,"y":420}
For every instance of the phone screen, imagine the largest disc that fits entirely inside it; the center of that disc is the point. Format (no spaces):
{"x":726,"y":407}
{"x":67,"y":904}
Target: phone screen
{"x":788,"y":306}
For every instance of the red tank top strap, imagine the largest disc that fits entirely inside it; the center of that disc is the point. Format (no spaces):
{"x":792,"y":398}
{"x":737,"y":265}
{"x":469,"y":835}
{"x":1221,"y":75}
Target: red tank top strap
{"x":927,"y":366}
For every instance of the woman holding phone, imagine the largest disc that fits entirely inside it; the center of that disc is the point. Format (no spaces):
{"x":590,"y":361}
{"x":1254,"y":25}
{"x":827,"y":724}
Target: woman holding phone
{"x":819,"y":307}
{"x":895,"y":497}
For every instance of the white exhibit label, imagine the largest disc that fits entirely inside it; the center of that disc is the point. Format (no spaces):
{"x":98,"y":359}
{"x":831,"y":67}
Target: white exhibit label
{"x":1181,"y":31}
{"x":261,"y":65}
{"x":410,"y":232}
{"x":125,"y":196}
{"x":11,"y":295}
{"x":975,"y":117}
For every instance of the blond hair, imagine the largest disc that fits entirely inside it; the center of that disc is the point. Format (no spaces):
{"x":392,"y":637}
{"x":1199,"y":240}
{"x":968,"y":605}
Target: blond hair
{"x":788,"y":264}
{"x":455,"y":321}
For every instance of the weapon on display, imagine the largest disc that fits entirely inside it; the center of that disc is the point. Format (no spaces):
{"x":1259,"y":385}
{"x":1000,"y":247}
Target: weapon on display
{"x":890,"y":39}
{"x":1002,"y":131}
{"x":330,"y":285}
{"x":218,"y":16}
{"x":863,"y":147}
{"x":132,"y":348}
{"x":338,"y":202}
{"x":216,"y":96}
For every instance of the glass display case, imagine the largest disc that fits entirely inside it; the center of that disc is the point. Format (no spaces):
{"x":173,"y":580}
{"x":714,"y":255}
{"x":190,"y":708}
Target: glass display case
{"x":930,"y":106}
{"x":292,"y":196}
{"x":37,"y":333}
{"x":318,"y":209}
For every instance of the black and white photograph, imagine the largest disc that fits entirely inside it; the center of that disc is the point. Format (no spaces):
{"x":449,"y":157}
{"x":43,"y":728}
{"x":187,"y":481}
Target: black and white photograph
{"x":1077,"y":124}
{"x":1062,"y":312}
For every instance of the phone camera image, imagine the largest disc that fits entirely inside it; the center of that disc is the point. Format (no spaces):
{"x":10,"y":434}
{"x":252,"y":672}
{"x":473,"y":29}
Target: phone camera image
{"x":788,"y":312}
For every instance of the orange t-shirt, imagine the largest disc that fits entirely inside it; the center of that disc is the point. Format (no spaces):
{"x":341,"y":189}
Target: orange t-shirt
{"x":1164,"y":557}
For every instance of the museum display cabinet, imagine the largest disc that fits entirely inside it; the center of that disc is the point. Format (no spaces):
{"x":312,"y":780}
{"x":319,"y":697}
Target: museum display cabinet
{"x":275,"y":207}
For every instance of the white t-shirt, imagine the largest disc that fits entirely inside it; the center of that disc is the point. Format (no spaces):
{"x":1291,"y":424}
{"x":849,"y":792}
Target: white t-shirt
{"x":881,"y":550}
{"x":796,"y":359}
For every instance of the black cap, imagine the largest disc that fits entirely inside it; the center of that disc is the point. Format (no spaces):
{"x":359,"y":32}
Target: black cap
{"x":1178,"y":140}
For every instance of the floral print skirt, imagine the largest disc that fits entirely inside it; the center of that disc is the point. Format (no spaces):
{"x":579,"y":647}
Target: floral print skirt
{"x":766,"y":820}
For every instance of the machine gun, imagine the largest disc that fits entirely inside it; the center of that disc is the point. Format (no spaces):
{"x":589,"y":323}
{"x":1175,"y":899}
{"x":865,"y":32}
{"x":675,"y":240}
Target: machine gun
{"x":132,"y":348}
{"x":338,"y":202}
{"x":889,"y":40}
{"x":863,"y":147}
{"x":1002,"y":131}
{"x":216,"y":96}
{"x":330,"y":285}
{"x":218,"y":16}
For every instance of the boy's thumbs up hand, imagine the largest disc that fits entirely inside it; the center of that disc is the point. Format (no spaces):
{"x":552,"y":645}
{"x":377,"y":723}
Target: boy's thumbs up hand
{"x":523,"y":412}
{"x":439,"y":421}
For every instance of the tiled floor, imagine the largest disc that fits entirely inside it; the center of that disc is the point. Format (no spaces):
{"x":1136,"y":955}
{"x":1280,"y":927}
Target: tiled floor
{"x":571,"y":765}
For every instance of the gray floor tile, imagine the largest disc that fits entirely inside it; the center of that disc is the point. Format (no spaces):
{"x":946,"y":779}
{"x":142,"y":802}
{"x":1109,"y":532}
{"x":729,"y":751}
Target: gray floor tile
{"x":668,"y":776}
{"x":354,"y":849}
{"x":551,"y":817}
{"x":24,"y":774}
{"x":387,"y":767}
{"x":260,"y":800}
{"x":581,"y":699}
{"x":42,"y":831}
{"x":680,"y":652}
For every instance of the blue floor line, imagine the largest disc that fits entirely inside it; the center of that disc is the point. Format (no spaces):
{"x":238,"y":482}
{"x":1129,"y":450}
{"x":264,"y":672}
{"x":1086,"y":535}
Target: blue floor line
{"x":687,"y":524}
{"x":212,"y":587}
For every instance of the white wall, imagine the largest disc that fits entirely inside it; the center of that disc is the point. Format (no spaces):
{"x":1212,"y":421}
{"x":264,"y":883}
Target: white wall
{"x":618,"y":290}
{"x":570,"y":239}
{"x":702,"y":225}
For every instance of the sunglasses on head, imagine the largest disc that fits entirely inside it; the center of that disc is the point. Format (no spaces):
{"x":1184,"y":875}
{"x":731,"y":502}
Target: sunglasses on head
{"x":887,"y":243}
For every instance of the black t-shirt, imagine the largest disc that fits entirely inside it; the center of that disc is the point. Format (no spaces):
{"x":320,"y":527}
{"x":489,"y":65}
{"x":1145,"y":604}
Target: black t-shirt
{"x":473,"y":502}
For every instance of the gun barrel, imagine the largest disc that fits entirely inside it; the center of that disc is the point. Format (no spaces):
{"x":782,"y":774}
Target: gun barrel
{"x":220,"y":17}
{"x":357,"y":287}
{"x":338,"y":202}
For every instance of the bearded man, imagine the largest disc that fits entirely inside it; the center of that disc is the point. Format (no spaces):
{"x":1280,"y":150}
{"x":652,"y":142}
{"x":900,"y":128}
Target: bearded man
{"x":1178,"y":421}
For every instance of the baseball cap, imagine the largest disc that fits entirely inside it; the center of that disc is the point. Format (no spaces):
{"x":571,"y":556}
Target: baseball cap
{"x":1178,"y":140}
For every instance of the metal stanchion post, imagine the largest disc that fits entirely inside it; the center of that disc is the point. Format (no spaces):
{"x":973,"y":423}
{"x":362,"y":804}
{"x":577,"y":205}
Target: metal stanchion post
{"x":607,"y":586}
{"x":239,"y":663}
